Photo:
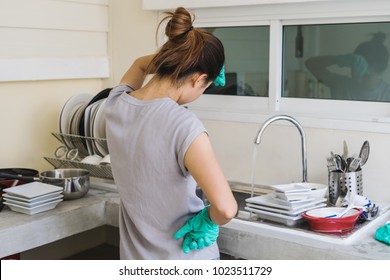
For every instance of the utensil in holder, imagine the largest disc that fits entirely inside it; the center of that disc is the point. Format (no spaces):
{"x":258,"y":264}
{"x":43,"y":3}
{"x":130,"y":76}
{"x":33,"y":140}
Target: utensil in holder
{"x":340,"y":183}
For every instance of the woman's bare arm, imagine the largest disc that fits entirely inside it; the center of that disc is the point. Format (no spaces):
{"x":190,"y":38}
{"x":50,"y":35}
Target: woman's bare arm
{"x":201,"y":162}
{"x":137,"y":72}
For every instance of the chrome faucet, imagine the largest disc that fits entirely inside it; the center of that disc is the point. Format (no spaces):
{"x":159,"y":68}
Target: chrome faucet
{"x":301,"y":131}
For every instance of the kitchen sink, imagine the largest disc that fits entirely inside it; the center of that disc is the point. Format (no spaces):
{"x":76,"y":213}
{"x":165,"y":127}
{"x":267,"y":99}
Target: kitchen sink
{"x":249,"y":222}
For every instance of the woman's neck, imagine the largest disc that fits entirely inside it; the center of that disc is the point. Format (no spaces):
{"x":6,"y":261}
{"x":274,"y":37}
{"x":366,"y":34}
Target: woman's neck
{"x":157,"y":88}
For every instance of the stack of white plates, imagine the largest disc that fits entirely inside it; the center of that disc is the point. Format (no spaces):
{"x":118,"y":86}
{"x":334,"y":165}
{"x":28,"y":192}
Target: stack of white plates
{"x":33,"y":197}
{"x":285,"y":204}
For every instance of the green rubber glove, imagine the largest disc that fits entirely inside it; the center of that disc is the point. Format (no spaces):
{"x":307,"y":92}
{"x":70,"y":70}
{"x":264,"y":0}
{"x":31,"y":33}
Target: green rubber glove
{"x":383,"y":234}
{"x":198,"y":232}
{"x":220,"y":80}
{"x":357,"y":63}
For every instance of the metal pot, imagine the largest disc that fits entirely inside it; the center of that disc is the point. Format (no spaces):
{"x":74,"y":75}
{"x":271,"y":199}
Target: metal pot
{"x":75,"y":182}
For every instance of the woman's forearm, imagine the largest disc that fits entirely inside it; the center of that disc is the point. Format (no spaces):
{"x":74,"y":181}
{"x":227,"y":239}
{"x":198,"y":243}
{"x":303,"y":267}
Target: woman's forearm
{"x":137,"y":72}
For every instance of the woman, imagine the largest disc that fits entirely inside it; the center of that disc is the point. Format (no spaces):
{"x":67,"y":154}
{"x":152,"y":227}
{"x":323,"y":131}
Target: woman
{"x":367,"y":64}
{"x":160,"y":152}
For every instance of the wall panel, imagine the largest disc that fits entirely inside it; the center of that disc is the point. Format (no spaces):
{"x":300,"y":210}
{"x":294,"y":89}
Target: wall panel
{"x":23,"y":42}
{"x":53,"y":39}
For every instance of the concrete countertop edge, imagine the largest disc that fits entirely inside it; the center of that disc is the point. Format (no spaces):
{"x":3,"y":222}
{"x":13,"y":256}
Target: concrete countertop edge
{"x":20,"y":232}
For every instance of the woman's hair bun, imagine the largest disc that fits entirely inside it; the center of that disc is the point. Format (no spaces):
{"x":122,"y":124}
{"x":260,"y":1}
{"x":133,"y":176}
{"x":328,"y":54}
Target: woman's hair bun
{"x":188,"y":50}
{"x":180,"y":23}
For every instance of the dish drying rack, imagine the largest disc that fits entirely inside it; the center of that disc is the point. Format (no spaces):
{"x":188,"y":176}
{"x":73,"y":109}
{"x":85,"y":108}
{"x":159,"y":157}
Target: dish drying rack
{"x":80,"y":143}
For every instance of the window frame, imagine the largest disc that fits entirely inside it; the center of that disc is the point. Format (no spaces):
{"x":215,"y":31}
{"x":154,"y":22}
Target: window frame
{"x":316,"y":113}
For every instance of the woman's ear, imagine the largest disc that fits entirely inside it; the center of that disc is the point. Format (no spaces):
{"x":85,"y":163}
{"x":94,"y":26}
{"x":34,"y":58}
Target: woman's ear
{"x":200,"y":80}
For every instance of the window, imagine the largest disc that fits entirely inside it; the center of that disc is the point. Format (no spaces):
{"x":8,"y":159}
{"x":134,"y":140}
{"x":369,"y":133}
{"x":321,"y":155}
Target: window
{"x":347,"y":61}
{"x":247,"y":60}
{"x":293,"y":86}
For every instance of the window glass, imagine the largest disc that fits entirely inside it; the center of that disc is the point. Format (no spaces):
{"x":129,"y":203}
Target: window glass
{"x":337,"y":61}
{"x":246,"y":63}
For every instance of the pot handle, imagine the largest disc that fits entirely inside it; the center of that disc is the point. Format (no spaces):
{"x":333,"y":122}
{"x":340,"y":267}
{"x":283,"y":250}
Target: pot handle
{"x":16,"y":177}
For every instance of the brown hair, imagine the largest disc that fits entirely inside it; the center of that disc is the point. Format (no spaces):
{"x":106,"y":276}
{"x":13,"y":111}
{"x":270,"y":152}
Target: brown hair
{"x":188,"y":50}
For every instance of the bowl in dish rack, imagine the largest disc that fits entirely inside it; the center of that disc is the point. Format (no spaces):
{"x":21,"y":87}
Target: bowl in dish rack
{"x":321,"y":219}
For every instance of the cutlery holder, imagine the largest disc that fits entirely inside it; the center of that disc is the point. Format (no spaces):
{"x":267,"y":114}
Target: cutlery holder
{"x":342,"y":182}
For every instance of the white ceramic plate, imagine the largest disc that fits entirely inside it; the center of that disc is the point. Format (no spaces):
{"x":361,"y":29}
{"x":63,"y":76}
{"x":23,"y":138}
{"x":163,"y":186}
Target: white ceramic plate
{"x":67,"y":112}
{"x":293,"y":203}
{"x":73,"y":119}
{"x":99,"y":129}
{"x":32,"y":190}
{"x":32,"y":200}
{"x":291,"y":188}
{"x":33,"y":210}
{"x":278,"y":218}
{"x":73,"y":143}
{"x":92,"y":117}
{"x":35,"y":203}
{"x":293,"y":196}
{"x":290,"y":212}
{"x":78,"y":143}
{"x":266,"y":200}
{"x":87,"y":129}
{"x":269,"y":202}
{"x":94,"y":109}
{"x":70,"y":106}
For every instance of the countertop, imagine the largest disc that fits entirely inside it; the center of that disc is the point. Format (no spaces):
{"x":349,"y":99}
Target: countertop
{"x":239,"y":238}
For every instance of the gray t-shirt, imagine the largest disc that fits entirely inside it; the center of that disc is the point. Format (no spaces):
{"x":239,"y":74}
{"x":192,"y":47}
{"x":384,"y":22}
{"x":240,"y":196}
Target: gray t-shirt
{"x":147,"y":141}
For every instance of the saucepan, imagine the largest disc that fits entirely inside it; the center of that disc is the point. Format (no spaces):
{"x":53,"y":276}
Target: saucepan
{"x":74,"y":181}
{"x":18,"y":172}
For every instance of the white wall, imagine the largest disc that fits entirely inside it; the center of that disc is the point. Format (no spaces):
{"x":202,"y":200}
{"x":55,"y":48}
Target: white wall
{"x":132,"y":34}
{"x":29,"y":113}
